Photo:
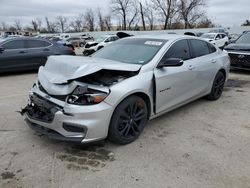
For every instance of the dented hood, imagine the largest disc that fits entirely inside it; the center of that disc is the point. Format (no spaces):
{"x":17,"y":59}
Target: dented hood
{"x":61,"y":69}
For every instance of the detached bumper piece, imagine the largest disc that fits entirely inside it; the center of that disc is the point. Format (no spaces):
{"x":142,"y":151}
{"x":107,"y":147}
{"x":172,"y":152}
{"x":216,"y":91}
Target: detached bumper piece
{"x":40,"y":109}
{"x":51,"y":133}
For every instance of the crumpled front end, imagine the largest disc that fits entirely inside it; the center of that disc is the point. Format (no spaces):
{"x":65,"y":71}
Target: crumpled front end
{"x":70,"y":105}
{"x":59,"y":120}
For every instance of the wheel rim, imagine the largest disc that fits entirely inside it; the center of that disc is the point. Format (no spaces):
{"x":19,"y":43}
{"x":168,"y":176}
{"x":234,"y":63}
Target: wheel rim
{"x":131,"y":120}
{"x":219,"y":85}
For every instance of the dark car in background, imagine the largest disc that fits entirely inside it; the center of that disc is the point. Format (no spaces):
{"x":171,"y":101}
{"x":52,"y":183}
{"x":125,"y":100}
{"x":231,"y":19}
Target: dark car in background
{"x":18,"y":54}
{"x":239,"y":52}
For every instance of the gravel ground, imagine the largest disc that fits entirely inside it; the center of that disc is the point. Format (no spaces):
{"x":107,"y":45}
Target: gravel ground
{"x":203,"y":144}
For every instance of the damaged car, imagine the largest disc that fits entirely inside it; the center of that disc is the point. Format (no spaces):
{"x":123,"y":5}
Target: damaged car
{"x":116,"y":91}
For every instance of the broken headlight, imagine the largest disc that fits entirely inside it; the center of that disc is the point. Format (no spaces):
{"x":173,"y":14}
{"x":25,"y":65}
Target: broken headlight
{"x":86,"y":97}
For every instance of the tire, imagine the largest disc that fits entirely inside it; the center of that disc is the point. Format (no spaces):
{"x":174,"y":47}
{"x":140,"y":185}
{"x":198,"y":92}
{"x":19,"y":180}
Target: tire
{"x":128,"y":120}
{"x":217,"y":88}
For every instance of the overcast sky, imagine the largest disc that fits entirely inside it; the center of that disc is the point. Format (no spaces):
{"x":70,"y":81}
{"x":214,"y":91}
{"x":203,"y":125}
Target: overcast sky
{"x":222,"y":12}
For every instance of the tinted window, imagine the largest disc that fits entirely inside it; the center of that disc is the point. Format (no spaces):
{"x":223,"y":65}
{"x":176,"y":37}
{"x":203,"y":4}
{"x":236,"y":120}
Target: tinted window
{"x":16,"y":44}
{"x":211,"y":47}
{"x":37,"y":43}
{"x":180,"y":50}
{"x":199,"y":48}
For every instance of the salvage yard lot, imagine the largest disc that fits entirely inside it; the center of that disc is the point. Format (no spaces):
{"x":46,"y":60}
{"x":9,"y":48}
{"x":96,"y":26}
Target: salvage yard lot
{"x":203,"y":144}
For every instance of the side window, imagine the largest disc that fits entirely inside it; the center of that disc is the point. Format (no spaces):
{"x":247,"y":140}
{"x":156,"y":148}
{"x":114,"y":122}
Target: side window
{"x":211,"y":47}
{"x":199,"y":48}
{"x":115,"y":38}
{"x":179,"y":49}
{"x":37,"y":44}
{"x":15,"y":44}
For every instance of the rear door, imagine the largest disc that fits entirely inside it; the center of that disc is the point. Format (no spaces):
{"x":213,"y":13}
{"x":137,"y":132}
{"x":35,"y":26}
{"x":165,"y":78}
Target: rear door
{"x":14,"y":55}
{"x":38,"y":51}
{"x":205,"y":64}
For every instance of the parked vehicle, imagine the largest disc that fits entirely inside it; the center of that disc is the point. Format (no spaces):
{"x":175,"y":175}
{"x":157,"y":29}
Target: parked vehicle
{"x":26,"y":53}
{"x":99,"y":43}
{"x":239,"y":52}
{"x":116,"y":91}
{"x":219,"y":30}
{"x":218,"y":39}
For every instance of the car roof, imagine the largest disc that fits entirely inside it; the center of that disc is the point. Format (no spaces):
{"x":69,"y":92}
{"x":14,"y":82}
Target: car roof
{"x":165,"y":36}
{"x":22,"y":38}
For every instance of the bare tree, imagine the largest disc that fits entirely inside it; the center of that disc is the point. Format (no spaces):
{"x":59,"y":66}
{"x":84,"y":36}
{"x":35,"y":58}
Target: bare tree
{"x":89,"y":18}
{"x":246,"y":23}
{"x":62,"y":22}
{"x":142,"y":17}
{"x":51,"y":26}
{"x":122,"y":7}
{"x":167,"y":9}
{"x":107,"y":22}
{"x":17,"y":25}
{"x":34,"y":25}
{"x":39,"y":23}
{"x":189,"y":11}
{"x":149,"y":15}
{"x":48,"y":24}
{"x":100,"y":20}
{"x":134,"y":11}
{"x":205,"y":22}
{"x":77,"y":23}
{"x":4,"y":26}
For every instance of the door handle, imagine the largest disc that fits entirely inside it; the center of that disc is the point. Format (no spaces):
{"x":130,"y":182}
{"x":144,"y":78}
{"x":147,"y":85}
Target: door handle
{"x":191,"y":67}
{"x":213,"y":61}
{"x":46,"y":50}
{"x":22,"y":52}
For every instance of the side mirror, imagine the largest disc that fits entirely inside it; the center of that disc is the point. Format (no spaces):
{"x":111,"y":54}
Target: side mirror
{"x":1,"y":49}
{"x":170,"y":62}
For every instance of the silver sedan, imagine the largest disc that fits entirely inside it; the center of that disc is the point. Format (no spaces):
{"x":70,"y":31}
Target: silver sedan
{"x":116,"y":91}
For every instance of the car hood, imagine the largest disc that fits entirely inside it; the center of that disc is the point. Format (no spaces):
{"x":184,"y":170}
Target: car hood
{"x":239,"y":47}
{"x":62,"y":69}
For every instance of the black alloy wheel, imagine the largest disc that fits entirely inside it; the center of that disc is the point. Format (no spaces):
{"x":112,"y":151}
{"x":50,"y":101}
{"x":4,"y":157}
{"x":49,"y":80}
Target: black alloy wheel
{"x":128,"y":120}
{"x":218,"y":86}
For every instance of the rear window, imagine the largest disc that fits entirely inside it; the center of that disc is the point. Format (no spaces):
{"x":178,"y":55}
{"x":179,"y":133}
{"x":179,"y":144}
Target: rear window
{"x":199,"y":48}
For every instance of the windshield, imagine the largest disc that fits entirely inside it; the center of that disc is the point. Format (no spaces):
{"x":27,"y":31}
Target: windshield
{"x":208,"y":36}
{"x":134,"y":51}
{"x":244,"y":39}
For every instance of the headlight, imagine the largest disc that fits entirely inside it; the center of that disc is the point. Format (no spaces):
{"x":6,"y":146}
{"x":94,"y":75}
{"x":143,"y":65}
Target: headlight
{"x":87,"y":97}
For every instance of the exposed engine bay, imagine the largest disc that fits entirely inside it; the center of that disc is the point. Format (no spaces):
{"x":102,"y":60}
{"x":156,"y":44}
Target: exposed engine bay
{"x":107,"y":77}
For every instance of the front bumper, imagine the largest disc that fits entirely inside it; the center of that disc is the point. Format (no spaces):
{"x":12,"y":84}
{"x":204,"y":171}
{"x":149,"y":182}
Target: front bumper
{"x":240,"y":60}
{"x":62,"y":121}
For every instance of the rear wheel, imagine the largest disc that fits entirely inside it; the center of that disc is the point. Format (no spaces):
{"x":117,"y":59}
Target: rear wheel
{"x":218,"y":86}
{"x":128,"y":120}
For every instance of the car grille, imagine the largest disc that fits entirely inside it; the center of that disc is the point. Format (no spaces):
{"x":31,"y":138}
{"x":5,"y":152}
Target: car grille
{"x":239,"y":59}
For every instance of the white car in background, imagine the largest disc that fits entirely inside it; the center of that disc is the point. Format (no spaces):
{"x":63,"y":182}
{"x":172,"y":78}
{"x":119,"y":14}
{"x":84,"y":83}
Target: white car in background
{"x":220,"y":40}
{"x":99,"y":43}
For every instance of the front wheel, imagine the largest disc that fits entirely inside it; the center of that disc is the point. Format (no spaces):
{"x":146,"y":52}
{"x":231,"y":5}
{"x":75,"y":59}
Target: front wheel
{"x":128,"y":120}
{"x":218,"y":86}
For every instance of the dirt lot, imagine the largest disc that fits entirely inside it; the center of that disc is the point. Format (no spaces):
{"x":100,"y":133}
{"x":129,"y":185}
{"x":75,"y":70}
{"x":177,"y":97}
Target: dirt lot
{"x":203,"y":144}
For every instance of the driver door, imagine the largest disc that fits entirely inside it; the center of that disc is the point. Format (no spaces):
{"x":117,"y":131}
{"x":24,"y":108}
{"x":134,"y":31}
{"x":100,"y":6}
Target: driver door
{"x":175,"y":85}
